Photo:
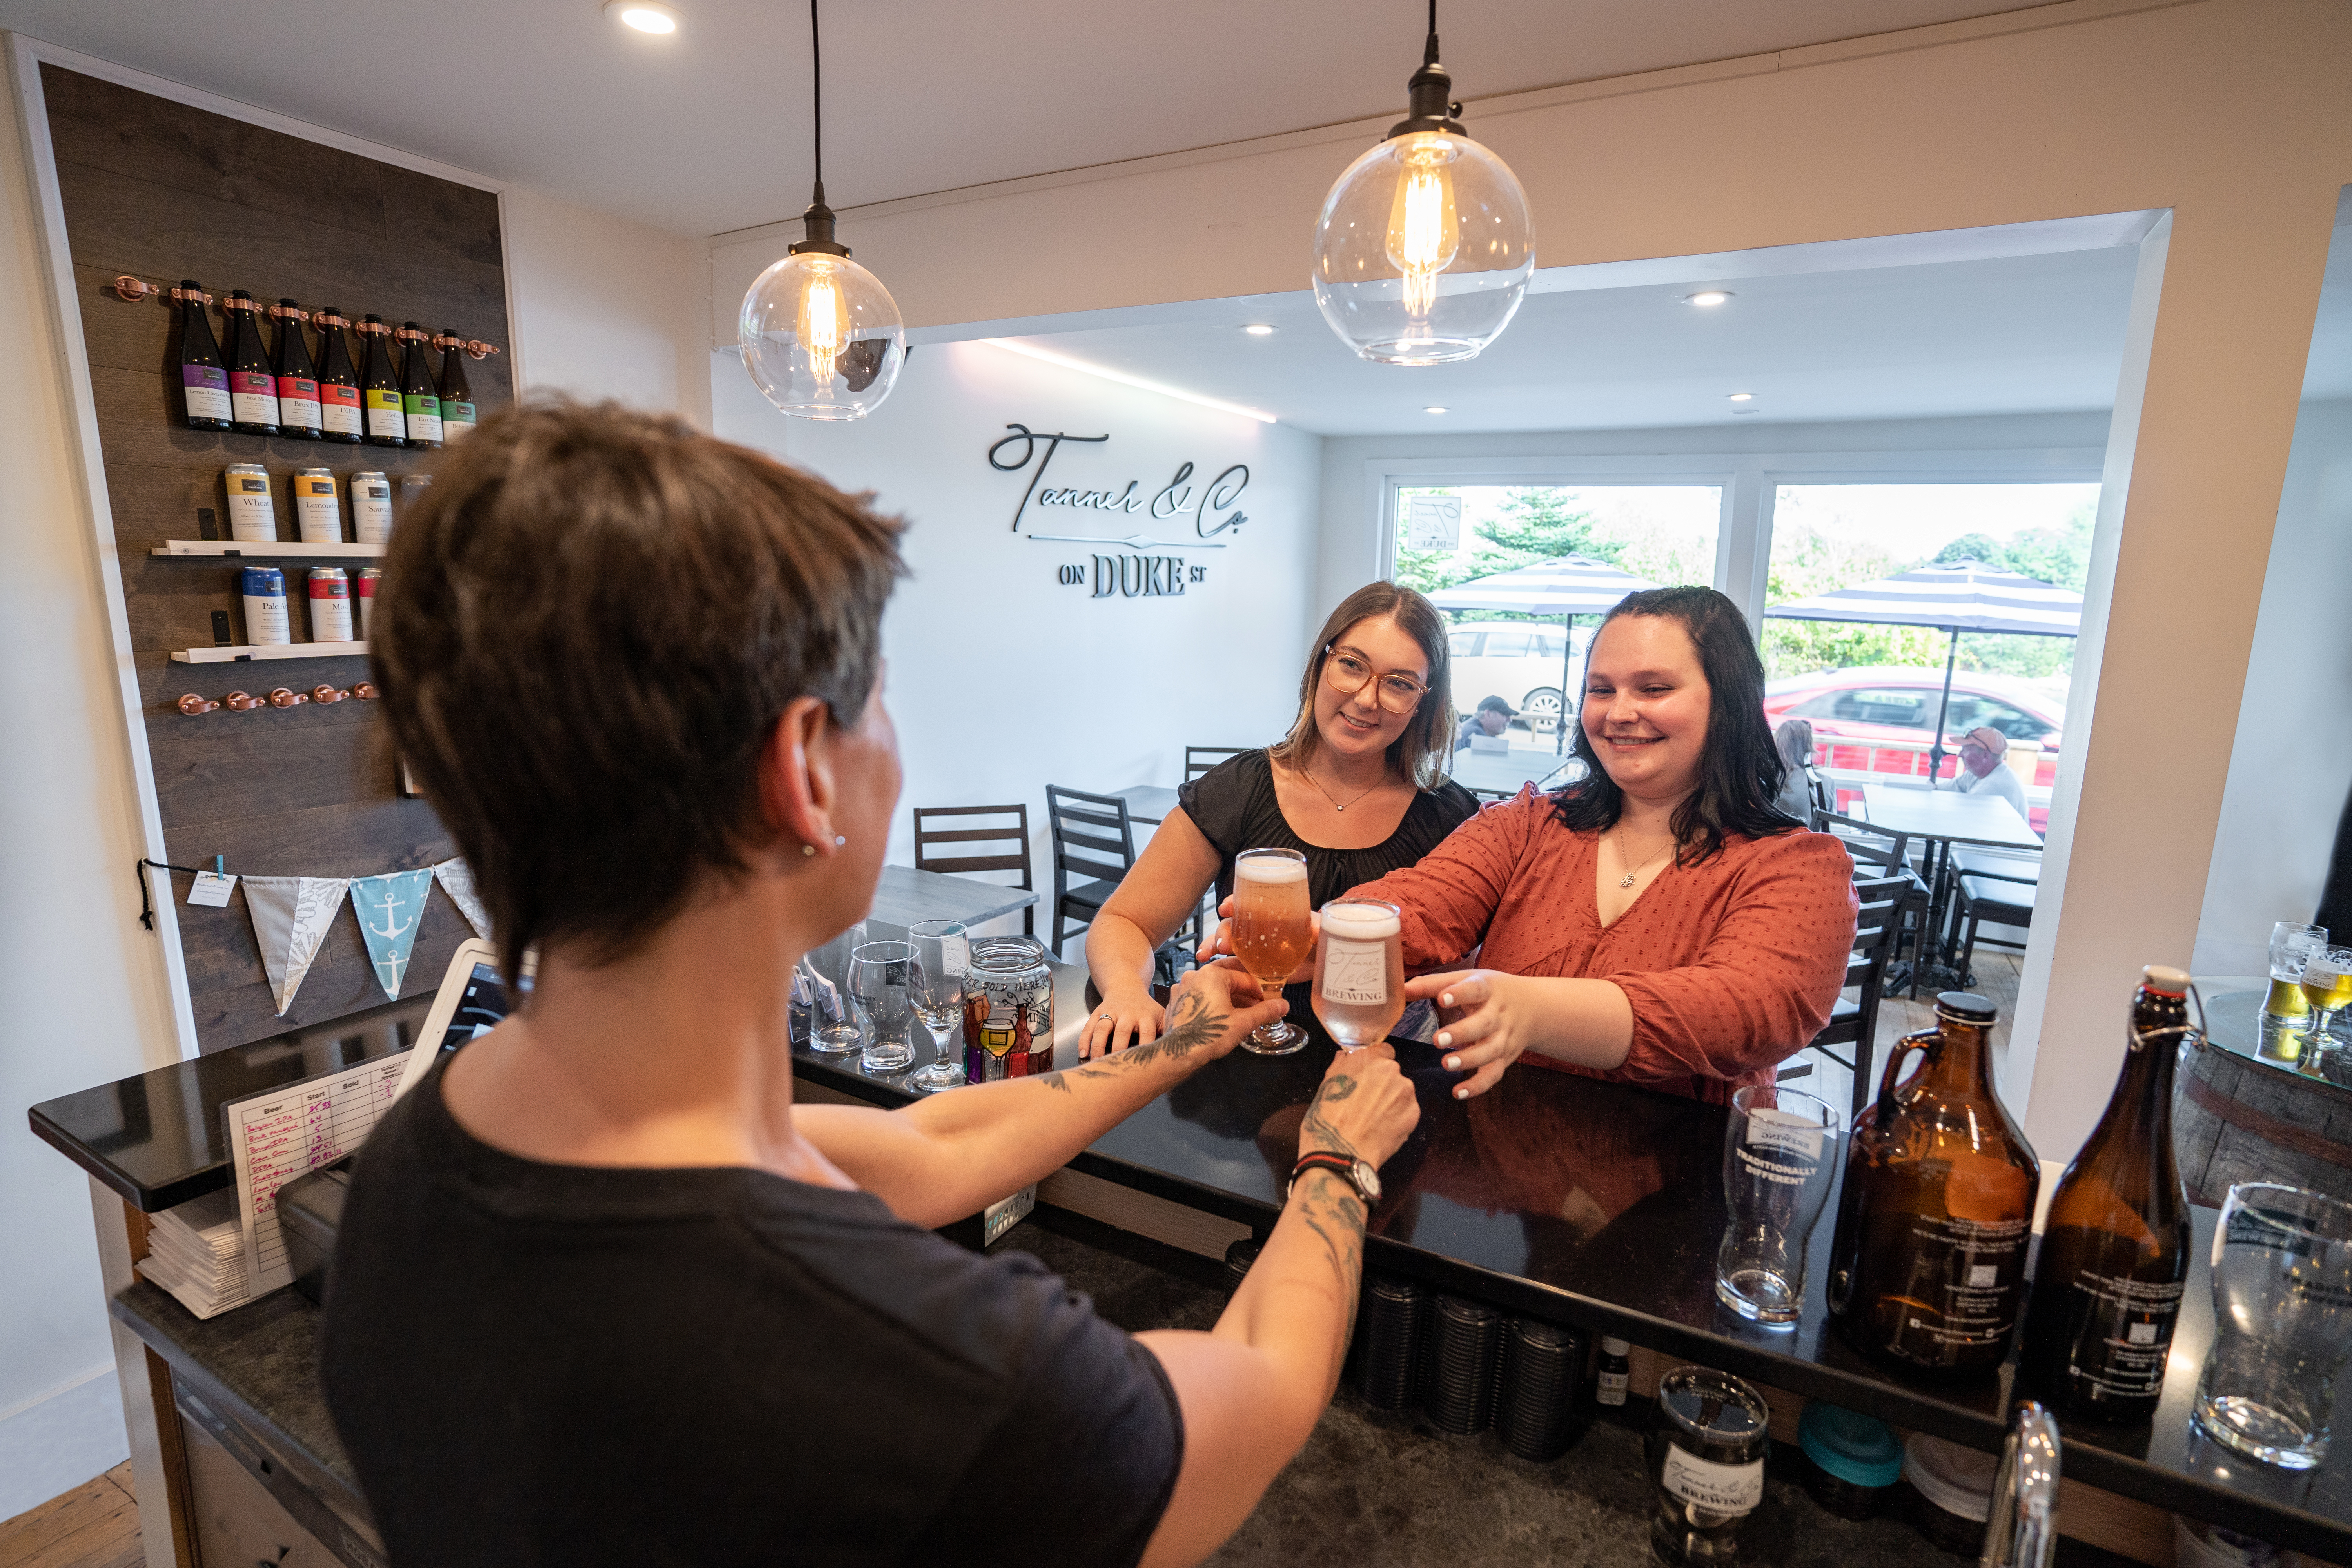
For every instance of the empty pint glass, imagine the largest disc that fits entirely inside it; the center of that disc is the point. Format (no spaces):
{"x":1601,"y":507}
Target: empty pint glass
{"x":1780,"y":1160}
{"x":2281,"y":1323}
{"x":1272,"y":931}
{"x":1359,"y":971}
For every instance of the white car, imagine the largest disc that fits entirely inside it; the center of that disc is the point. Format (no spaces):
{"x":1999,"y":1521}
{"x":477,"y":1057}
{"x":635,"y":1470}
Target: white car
{"x":1519,"y":661}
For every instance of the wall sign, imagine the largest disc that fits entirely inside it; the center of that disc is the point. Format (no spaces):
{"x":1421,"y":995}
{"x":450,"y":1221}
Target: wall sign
{"x":1135,"y":573}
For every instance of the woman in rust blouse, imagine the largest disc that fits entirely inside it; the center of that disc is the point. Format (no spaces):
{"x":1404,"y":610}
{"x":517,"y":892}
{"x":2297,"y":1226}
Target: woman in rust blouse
{"x":1661,"y":923}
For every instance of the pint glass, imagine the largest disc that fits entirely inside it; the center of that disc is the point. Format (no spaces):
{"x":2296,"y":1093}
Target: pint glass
{"x":1271,"y":933}
{"x":1359,"y":971}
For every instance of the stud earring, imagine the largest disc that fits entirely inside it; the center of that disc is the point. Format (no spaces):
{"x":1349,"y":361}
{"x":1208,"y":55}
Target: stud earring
{"x":808,"y":848}
{"x":838,"y":841}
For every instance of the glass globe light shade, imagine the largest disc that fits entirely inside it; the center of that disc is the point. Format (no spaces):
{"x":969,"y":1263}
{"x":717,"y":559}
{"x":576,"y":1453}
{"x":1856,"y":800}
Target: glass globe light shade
{"x":822,"y":337}
{"x":1424,"y":250}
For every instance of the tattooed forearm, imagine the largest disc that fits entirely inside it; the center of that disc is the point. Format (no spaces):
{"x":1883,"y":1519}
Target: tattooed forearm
{"x":1336,"y":1214}
{"x":1190,"y":1024}
{"x":1060,"y":1080}
{"x":1316,"y":1130}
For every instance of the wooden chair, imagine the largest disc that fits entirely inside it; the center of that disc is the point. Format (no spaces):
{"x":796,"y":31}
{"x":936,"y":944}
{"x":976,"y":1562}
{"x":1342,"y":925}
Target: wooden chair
{"x":1992,"y":886}
{"x":1013,"y":836}
{"x":1199,"y":760}
{"x":1094,"y":847}
{"x":1855,"y":1023}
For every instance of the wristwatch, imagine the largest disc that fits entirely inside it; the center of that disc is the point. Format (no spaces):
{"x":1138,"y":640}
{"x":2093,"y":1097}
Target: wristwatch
{"x":1357,"y":1174}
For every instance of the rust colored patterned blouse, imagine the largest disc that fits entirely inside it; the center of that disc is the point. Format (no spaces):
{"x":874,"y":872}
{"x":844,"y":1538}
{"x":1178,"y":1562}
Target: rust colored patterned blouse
{"x":1731,"y":966}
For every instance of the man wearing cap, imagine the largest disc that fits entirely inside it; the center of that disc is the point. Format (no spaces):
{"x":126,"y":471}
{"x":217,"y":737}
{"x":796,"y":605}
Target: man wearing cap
{"x":1494,"y":716}
{"x":1984,"y":768}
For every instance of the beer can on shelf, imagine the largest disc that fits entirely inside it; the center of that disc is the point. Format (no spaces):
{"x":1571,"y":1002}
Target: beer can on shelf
{"x":317,"y":511}
{"x":266,"y":624}
{"x":251,"y":518}
{"x":365,"y":590}
{"x":1008,"y":1010}
{"x":331,"y":605}
{"x":371,"y":507}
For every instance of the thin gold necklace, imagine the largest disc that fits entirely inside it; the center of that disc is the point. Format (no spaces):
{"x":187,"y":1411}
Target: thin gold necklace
{"x":1309,"y":772}
{"x":1630,"y":878}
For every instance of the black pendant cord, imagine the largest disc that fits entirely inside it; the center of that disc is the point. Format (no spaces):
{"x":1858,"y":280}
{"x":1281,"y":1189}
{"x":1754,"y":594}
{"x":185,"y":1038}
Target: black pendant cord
{"x":1430,"y":94}
{"x":819,"y":216}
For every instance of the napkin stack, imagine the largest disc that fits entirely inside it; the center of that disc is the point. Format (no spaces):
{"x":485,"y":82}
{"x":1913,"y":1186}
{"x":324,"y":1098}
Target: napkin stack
{"x":196,"y":1251}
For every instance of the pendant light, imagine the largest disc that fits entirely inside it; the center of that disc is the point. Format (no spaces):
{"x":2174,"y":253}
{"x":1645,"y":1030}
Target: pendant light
{"x":1424,"y":247}
{"x":821,"y":336}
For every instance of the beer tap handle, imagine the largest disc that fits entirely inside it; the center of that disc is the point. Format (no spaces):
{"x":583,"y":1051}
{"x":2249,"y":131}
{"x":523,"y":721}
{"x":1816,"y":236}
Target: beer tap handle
{"x":2022,"y":1532}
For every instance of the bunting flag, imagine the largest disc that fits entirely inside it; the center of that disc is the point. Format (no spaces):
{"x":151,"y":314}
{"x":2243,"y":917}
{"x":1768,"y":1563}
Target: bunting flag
{"x":457,"y":880}
{"x":390,"y":908}
{"x":290,"y":916}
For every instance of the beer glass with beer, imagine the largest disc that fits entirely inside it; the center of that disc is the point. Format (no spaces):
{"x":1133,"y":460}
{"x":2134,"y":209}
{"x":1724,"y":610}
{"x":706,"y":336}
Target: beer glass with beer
{"x":1359,"y":971}
{"x":1272,"y":931}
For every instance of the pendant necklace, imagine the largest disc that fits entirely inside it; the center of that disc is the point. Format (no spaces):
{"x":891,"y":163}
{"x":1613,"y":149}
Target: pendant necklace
{"x":1630,"y":878}
{"x":1326,"y":793}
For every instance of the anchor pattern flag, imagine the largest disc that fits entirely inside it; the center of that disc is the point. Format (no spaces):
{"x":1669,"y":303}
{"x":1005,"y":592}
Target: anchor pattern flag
{"x":390,"y":908}
{"x":290,"y":916}
{"x":457,"y":880}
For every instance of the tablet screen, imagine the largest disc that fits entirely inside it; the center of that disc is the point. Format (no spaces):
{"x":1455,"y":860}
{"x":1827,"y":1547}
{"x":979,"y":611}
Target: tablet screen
{"x":479,"y":1008}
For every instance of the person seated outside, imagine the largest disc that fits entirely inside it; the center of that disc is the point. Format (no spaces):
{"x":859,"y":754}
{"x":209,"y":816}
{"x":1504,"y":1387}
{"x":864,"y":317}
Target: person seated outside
{"x":1984,"y":768}
{"x":1494,"y":716}
{"x":1802,"y":790}
{"x":1659,"y":922}
{"x":603,"y":1292}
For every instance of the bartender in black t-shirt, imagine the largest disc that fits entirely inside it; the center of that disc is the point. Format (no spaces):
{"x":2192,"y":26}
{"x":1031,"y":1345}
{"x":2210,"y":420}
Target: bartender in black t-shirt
{"x":603,"y":1292}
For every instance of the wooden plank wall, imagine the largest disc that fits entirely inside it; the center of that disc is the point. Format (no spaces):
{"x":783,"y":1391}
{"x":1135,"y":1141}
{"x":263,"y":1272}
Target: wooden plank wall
{"x":164,"y":192}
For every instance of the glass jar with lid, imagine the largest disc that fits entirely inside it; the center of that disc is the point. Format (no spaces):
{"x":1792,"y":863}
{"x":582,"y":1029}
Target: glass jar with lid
{"x":1008,"y":1009}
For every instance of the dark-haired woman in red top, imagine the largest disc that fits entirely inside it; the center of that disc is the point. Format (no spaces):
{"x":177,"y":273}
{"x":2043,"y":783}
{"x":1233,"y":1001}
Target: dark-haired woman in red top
{"x":1662,"y":922}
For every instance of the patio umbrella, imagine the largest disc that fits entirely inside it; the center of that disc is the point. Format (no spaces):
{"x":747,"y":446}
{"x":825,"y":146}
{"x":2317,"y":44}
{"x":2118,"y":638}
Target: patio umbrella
{"x":1567,"y":587}
{"x":1953,"y":597}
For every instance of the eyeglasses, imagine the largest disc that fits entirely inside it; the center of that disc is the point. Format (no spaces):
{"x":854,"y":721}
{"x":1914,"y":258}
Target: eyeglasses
{"x":1345,"y":671}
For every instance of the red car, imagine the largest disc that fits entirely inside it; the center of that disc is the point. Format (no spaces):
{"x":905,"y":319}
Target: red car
{"x":1883,"y":720}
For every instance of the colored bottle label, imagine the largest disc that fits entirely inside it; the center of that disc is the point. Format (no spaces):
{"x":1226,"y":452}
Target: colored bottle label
{"x":253,"y":395}
{"x":330,"y":611}
{"x":339,"y":409}
{"x":384,"y":414}
{"x":372,"y":512}
{"x":297,"y":402}
{"x":265,"y":619}
{"x":250,"y":516}
{"x":317,"y":513}
{"x":457,"y":418}
{"x":423,"y":411}
{"x":207,"y":387}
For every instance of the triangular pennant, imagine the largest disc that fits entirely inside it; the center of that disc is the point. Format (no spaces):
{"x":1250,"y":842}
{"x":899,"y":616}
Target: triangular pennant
{"x":290,"y":916}
{"x":390,"y":908}
{"x":457,"y":880}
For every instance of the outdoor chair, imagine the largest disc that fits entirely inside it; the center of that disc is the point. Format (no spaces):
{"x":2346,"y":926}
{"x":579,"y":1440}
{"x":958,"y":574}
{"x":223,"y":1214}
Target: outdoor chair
{"x":1877,"y":852}
{"x":1995,"y":887}
{"x":1094,"y":847}
{"x":1011,"y":840}
{"x":1855,"y":1023}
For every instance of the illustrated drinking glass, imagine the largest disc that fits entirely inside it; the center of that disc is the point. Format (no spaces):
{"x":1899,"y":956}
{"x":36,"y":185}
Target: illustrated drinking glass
{"x":880,"y":980}
{"x":2281,"y":1323}
{"x":1780,"y":1160}
{"x":1359,"y":971}
{"x":935,"y":988}
{"x":1273,"y":927}
{"x":832,"y":1022}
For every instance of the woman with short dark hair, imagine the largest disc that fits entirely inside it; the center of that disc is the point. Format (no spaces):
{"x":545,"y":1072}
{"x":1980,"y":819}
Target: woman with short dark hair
{"x":1661,"y":921}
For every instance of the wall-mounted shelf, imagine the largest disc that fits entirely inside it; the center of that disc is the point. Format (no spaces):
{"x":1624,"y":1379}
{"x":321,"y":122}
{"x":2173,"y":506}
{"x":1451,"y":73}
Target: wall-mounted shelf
{"x":260,"y":550}
{"x":240,"y":655}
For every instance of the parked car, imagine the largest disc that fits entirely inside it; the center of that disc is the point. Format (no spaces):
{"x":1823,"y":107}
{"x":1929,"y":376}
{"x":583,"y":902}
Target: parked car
{"x":1519,"y":661}
{"x":1882,"y":719}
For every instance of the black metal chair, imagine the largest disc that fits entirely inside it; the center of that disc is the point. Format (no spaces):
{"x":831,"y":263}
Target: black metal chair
{"x":1015,"y":835}
{"x":1094,"y":847}
{"x":1199,"y":760}
{"x":1879,"y":852}
{"x":1855,"y":1023}
{"x":1994,"y":887}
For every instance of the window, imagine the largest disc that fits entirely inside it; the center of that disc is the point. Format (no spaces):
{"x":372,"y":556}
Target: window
{"x":1507,"y":644}
{"x":1462,"y":644}
{"x":1660,"y":534}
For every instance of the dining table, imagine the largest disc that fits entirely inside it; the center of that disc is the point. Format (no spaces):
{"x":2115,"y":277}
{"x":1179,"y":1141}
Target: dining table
{"x":907,"y":897}
{"x":1502,"y":773}
{"x":1938,"y":820}
{"x":1153,"y":804}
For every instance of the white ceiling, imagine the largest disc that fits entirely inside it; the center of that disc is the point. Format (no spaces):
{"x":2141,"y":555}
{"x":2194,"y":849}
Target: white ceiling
{"x":708,"y":130}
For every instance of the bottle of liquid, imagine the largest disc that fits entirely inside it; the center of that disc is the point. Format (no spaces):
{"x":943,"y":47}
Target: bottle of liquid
{"x":418,"y":401}
{"x":387,"y":423}
{"x":204,"y":377}
{"x":2114,"y":1251}
{"x":457,"y":393}
{"x":339,"y":383}
{"x":252,"y":383}
{"x":1613,"y":1372}
{"x":1928,"y":1270}
{"x":297,"y":379}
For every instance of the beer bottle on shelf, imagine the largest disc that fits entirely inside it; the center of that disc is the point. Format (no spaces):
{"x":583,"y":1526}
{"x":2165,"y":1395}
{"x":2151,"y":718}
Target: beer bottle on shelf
{"x":2114,"y":1251}
{"x":457,"y":392}
{"x":252,"y":385}
{"x":204,"y":378}
{"x":418,"y":401}
{"x":1927,"y":1268}
{"x":339,"y":383}
{"x":387,"y":424}
{"x":297,"y":379}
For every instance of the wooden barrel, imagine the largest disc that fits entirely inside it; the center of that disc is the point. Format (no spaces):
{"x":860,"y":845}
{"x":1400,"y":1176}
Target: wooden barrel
{"x":2239,"y":1120}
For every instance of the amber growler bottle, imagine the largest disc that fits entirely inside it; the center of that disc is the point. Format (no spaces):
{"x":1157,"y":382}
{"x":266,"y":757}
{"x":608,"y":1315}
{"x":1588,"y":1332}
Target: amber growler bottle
{"x":2114,"y":1251}
{"x":1928,"y":1270}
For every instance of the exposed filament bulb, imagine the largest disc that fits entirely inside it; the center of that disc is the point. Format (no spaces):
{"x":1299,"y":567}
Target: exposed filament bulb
{"x":1424,"y":230}
{"x":824,"y":321}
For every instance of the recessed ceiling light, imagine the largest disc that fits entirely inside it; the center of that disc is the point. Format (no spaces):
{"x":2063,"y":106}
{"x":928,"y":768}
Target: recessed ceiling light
{"x":1434,"y":409}
{"x":1707,"y":299}
{"x":643,"y":15}
{"x":1258,"y":330}
{"x":1743,"y":397}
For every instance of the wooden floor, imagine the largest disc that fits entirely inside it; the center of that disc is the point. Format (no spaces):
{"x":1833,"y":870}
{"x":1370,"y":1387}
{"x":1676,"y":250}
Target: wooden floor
{"x":95,"y":1525}
{"x":1997,"y":977}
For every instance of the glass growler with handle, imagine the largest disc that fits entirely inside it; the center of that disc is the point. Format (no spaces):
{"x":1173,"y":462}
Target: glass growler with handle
{"x":2114,"y":1251}
{"x":1927,"y":1268}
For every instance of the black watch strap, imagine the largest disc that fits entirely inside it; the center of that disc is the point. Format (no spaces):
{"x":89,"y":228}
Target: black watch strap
{"x":1339,"y":1166}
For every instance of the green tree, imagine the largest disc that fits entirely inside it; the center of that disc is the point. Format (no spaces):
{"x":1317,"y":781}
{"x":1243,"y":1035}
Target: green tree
{"x":1981,"y":548}
{"x":1534,"y":524}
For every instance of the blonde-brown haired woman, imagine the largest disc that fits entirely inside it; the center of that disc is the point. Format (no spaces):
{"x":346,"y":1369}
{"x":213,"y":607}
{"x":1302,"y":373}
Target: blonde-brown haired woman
{"x":1357,"y":787}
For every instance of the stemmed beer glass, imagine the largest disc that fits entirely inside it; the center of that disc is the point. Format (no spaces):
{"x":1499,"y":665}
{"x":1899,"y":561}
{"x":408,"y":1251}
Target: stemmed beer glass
{"x":1359,"y":971}
{"x":1273,"y":929}
{"x":2328,"y":986}
{"x":935,"y":986}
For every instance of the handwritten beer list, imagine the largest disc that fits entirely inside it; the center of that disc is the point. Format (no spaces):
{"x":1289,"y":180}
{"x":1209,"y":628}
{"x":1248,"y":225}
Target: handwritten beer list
{"x":291,"y":1133}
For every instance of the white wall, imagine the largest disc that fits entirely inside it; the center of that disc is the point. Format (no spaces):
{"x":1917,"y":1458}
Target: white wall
{"x":1002,"y":681}
{"x":607,"y":307}
{"x":2293,"y":761}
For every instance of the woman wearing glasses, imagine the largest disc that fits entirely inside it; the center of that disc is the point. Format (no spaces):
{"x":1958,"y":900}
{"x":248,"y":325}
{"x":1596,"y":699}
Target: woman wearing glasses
{"x":1357,"y":787}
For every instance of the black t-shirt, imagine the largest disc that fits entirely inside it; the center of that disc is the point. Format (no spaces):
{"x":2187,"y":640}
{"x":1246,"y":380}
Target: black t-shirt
{"x":564,"y":1366}
{"x":1234,"y":807}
